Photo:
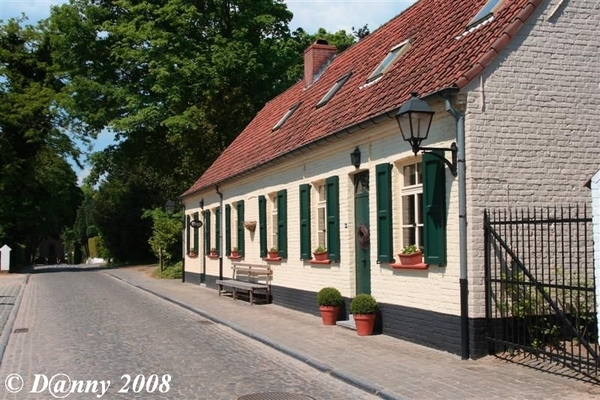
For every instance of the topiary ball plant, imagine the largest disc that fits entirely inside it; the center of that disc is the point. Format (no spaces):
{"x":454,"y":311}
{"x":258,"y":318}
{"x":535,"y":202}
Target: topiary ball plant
{"x":329,"y":296}
{"x":363,"y":304}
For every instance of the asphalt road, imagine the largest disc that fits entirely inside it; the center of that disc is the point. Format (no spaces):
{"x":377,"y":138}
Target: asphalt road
{"x":82,"y":334}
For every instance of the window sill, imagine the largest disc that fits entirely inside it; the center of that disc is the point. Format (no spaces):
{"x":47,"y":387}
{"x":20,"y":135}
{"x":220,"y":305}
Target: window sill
{"x":235,"y":257}
{"x":321,"y":262}
{"x":414,"y":266}
{"x":213,"y":257}
{"x":192,"y":256}
{"x":272,"y":258}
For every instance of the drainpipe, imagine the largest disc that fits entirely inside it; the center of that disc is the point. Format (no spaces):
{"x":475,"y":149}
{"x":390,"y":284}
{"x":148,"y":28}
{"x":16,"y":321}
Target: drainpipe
{"x":220,"y":238}
{"x":462,"y":227}
{"x":183,"y":246}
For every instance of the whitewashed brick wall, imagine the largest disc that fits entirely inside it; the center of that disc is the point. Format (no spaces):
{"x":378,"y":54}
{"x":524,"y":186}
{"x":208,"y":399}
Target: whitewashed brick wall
{"x":533,"y":122}
{"x":595,"y":186}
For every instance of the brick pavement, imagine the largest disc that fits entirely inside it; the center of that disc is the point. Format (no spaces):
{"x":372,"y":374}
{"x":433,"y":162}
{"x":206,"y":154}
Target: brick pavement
{"x":11,"y":286}
{"x":389,"y":367}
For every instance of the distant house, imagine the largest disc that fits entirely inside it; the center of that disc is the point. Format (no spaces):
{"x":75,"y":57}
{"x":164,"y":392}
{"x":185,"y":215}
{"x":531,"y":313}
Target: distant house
{"x":519,"y":78}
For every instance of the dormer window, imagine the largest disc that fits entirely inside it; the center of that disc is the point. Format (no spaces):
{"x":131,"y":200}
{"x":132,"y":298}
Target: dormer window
{"x":387,"y":62}
{"x":487,"y":11}
{"x":285,"y":117}
{"x":336,"y":87}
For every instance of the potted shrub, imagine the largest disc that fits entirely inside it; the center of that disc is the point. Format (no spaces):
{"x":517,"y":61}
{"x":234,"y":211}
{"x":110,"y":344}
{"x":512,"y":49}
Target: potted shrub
{"x":411,"y":255}
{"x":364,"y":307}
{"x":320,"y":253}
{"x":330,"y":299}
{"x":213,"y":251}
{"x":274,"y":252}
{"x":234,"y":252}
{"x":192,"y":253}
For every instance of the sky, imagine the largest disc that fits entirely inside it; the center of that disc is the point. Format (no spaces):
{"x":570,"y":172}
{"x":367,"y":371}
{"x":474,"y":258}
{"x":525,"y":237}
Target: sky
{"x":310,"y":15}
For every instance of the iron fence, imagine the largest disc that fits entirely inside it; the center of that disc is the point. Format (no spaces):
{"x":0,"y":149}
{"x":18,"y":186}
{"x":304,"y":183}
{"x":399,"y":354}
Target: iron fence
{"x":540,"y":288}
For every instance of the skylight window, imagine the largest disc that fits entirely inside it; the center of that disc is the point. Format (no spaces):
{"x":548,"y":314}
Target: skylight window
{"x":387,"y":62}
{"x":285,"y":117}
{"x":335,"y":88}
{"x":487,"y":10}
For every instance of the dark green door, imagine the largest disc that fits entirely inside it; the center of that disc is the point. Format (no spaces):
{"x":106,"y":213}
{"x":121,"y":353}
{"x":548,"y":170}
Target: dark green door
{"x":361,"y":223}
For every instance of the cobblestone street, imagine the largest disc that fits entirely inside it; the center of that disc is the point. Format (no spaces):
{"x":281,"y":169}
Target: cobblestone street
{"x":90,"y":326}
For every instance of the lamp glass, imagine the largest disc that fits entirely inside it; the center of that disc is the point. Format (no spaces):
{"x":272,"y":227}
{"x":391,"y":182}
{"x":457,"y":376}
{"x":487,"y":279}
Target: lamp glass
{"x":170,"y":207}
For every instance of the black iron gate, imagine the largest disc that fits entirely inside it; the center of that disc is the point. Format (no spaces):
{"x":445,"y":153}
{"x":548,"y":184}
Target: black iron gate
{"x":540,"y":288}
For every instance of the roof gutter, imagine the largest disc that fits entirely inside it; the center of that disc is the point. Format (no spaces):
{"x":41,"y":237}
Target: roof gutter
{"x":359,"y":126}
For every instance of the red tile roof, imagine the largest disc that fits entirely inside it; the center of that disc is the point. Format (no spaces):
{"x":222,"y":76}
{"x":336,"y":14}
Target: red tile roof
{"x":436,"y":60}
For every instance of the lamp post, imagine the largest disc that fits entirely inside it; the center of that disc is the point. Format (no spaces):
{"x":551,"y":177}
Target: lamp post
{"x":414,"y":118}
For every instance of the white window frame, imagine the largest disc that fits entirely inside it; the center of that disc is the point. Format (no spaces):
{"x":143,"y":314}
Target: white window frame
{"x":272,"y":223}
{"x":416,"y":192}
{"x":320,"y":205}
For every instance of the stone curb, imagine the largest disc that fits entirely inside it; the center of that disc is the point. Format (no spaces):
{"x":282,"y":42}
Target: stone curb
{"x":5,"y":334}
{"x":316,"y":364}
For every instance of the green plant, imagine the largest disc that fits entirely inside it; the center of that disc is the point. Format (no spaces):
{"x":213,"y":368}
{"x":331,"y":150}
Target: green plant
{"x":363,"y":304}
{"x":234,"y":249}
{"x":329,"y":296}
{"x":213,"y":249}
{"x":320,"y":249}
{"x":410,"y":249}
{"x":273,"y":249}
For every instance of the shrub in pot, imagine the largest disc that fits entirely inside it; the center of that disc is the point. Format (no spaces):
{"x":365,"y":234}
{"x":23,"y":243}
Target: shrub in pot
{"x":320,"y":253}
{"x":330,"y":299}
{"x":364,"y":308}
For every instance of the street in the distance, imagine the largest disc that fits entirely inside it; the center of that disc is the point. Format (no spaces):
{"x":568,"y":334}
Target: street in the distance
{"x":81,"y":334}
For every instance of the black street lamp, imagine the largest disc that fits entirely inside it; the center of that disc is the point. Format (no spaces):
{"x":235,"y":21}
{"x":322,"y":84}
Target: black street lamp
{"x":355,"y":157}
{"x":170,"y":207}
{"x":414,"y":119}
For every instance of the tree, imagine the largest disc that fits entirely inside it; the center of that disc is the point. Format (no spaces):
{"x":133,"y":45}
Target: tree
{"x":38,"y":187}
{"x":166,"y":235}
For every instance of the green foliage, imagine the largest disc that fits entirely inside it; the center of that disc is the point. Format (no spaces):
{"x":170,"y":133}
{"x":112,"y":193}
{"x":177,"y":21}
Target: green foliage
{"x":320,"y":249}
{"x":34,"y":143}
{"x":174,"y":271}
{"x":329,"y":296}
{"x":363,"y":304}
{"x":273,"y":249}
{"x":166,"y":232}
{"x":410,"y":249}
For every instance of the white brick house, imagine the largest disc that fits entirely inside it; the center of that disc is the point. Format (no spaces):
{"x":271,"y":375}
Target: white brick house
{"x":524,"y":74}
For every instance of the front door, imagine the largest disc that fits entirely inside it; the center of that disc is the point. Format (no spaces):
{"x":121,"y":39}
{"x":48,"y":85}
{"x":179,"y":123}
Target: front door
{"x":361,"y":231}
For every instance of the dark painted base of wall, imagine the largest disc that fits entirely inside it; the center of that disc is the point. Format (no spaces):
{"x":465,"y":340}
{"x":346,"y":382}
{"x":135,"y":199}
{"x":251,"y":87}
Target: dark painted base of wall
{"x":192,"y":277}
{"x":428,"y":328}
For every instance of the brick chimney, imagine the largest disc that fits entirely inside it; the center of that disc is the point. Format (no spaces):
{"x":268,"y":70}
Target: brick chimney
{"x":316,"y":58}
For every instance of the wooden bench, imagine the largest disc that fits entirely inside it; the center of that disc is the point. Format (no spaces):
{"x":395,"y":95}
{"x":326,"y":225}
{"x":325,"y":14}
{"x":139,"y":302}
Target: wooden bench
{"x":248,"y":278}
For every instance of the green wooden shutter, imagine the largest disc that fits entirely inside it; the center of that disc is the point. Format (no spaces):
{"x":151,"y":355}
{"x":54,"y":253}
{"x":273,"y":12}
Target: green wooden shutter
{"x":227,"y":230}
{"x":333,"y":218}
{"x":305,"y":249}
{"x":188,"y":234}
{"x":384,"y":212}
{"x":206,"y":232}
{"x":434,"y":209}
{"x":240,"y":227}
{"x":196,"y":237}
{"x":262,"y":225}
{"x":282,"y":223}
{"x":218,"y":230}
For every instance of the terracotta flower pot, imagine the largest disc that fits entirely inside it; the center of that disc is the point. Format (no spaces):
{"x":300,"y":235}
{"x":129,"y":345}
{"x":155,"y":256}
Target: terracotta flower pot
{"x":364,"y":324}
{"x":235,"y":254}
{"x":411,"y":259}
{"x":273,"y":254}
{"x":320,"y":256}
{"x":329,"y":314}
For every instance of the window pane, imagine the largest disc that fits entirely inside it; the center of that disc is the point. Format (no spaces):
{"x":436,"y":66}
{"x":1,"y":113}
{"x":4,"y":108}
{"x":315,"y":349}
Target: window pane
{"x":420,"y":231}
{"x":408,"y":210}
{"x":409,"y":175}
{"x":408,"y":236}
{"x":419,"y":174}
